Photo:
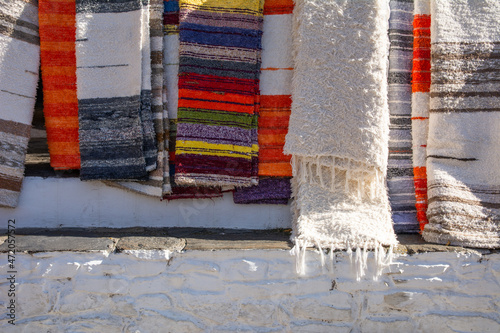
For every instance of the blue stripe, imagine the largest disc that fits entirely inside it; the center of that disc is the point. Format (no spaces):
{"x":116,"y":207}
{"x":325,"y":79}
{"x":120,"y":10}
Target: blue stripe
{"x":170,"y":6}
{"x":232,"y":37}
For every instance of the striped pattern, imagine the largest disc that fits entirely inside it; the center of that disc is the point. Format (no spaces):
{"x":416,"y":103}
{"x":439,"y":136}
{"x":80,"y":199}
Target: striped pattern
{"x":275,"y":103}
{"x":220,"y":44}
{"x":108,"y":54}
{"x":58,"y":66}
{"x":170,"y":83}
{"x":19,"y":61}
{"x":463,"y":146}
{"x":400,"y":166}
{"x":421,"y":82}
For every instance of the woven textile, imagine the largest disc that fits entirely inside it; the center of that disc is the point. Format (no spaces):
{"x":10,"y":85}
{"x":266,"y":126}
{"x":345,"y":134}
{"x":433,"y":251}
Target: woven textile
{"x":171,"y":71}
{"x":400,"y":166}
{"x":19,"y":61}
{"x":339,"y":125}
{"x":108,"y":54}
{"x":220,"y":44}
{"x":463,"y":146}
{"x":275,"y":103}
{"x":156,"y":185}
{"x":421,"y":83}
{"x":58,"y":67}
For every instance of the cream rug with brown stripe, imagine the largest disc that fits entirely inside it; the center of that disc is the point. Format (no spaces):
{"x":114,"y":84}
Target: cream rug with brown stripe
{"x":463,"y":148}
{"x":19,"y":61}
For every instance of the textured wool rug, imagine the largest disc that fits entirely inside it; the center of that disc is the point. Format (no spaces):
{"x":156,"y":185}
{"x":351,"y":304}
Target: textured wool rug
{"x":339,"y":126}
{"x":220,"y":44}
{"x":421,"y":83}
{"x":400,"y":166}
{"x":463,"y":147}
{"x":108,"y":54}
{"x":19,"y":61}
{"x":171,"y":97}
{"x":274,"y":111}
{"x":157,"y":185}
{"x":58,"y":66}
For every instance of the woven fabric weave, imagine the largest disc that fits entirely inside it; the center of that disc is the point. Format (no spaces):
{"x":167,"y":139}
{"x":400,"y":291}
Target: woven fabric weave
{"x":421,"y":83}
{"x":463,"y":146}
{"x":58,"y":67}
{"x":400,"y":166}
{"x":339,"y":125}
{"x":220,"y":44}
{"x":19,"y":61}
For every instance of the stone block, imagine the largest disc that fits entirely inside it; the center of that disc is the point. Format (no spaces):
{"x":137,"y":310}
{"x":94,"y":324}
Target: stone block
{"x":150,"y":285}
{"x":258,"y":314}
{"x":145,"y":268}
{"x":155,"y":302}
{"x":386,"y":325}
{"x":32,"y":300}
{"x":311,"y":309}
{"x":248,"y":269}
{"x":204,"y":283}
{"x":319,"y":328}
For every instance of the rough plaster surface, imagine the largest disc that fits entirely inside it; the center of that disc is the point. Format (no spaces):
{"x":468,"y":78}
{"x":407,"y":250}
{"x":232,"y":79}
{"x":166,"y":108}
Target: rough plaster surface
{"x":250,"y":291}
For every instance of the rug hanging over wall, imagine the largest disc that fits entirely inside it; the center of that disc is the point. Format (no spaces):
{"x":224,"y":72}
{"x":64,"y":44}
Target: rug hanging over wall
{"x":219,"y":68}
{"x":19,"y":62}
{"x":463,"y":147}
{"x":339,"y":125}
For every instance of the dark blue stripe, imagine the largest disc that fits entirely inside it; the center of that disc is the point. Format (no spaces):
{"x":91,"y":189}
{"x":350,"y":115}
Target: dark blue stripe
{"x":170,"y":6}
{"x":232,"y":37}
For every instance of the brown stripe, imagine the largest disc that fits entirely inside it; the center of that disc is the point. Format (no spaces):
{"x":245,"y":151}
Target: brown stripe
{"x":466,"y":94}
{"x":473,"y":190}
{"x":19,"y":35}
{"x":440,"y":214}
{"x":18,"y":21}
{"x":156,"y":57}
{"x":465,"y":56}
{"x":445,"y":198}
{"x":10,"y":184}
{"x":15,"y":128}
{"x":464,"y":110}
{"x":465,"y":43}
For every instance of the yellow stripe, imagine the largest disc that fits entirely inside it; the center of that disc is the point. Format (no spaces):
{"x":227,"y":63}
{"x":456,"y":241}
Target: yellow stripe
{"x":185,"y":147}
{"x":228,"y":4}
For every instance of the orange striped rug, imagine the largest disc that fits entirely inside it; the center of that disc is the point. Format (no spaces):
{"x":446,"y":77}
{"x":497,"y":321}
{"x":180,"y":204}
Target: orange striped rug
{"x":58,"y":64}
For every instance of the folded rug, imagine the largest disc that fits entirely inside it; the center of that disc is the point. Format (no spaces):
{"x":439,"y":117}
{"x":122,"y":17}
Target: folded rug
{"x":463,"y":146}
{"x":156,"y":185}
{"x":170,"y":83}
{"x":400,"y":166}
{"x":220,"y":44}
{"x":339,"y":126}
{"x":58,"y":66}
{"x":108,"y":55}
{"x":275,"y":103}
{"x":19,"y":61}
{"x":421,"y":83}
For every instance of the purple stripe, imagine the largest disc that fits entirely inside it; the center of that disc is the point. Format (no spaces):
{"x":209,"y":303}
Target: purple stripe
{"x":214,"y":134}
{"x":269,"y":191}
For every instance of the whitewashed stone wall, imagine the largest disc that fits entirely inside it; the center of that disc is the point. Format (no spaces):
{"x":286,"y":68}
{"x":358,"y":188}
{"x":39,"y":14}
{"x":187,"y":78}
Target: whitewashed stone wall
{"x":249,"y":291}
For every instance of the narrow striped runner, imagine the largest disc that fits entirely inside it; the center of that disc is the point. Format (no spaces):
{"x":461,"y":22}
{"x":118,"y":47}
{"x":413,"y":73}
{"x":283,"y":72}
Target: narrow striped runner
{"x":400,"y":167}
{"x":274,"y":111}
{"x":19,"y":62}
{"x":421,"y":82}
{"x":220,"y":44}
{"x":58,"y":67}
{"x":463,"y":146}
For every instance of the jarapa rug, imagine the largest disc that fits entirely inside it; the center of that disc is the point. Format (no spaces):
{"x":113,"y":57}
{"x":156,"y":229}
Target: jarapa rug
{"x":220,"y":44}
{"x":171,"y":97}
{"x":400,"y":166}
{"x":339,"y":128}
{"x":19,"y":62}
{"x":421,"y":83}
{"x":156,"y":185}
{"x":274,"y":111}
{"x":108,"y":55}
{"x":463,"y":146}
{"x":58,"y":67}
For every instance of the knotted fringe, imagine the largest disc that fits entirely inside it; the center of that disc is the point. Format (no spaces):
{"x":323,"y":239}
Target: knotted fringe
{"x":381,"y":259}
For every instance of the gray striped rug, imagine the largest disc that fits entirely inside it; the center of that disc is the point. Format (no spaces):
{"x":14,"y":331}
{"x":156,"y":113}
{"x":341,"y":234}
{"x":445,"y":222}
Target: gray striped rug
{"x":108,"y":53}
{"x":463,"y":146}
{"x":400,"y":165}
{"x":19,"y":62}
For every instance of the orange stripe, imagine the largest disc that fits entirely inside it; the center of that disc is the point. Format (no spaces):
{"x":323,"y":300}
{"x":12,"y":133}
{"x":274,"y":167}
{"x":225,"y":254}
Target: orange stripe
{"x":275,"y":101}
{"x":65,"y":96}
{"x":64,"y":122}
{"x":59,"y":46}
{"x":64,"y":148}
{"x":276,"y":69}
{"x":62,"y":20}
{"x":59,"y":70}
{"x":283,"y":169}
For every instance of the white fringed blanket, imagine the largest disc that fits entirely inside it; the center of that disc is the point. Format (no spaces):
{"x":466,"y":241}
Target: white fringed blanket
{"x":338,"y":133}
{"x":463,"y":148}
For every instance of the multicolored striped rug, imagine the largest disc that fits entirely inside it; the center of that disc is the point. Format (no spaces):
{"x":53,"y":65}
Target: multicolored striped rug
{"x":109,"y":87}
{"x":400,"y":166}
{"x":421,"y":83}
{"x":339,"y":127}
{"x":220,"y":44}
{"x":275,"y":103}
{"x":463,"y":146}
{"x":171,"y":95}
{"x":19,"y":62}
{"x":58,"y":67}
